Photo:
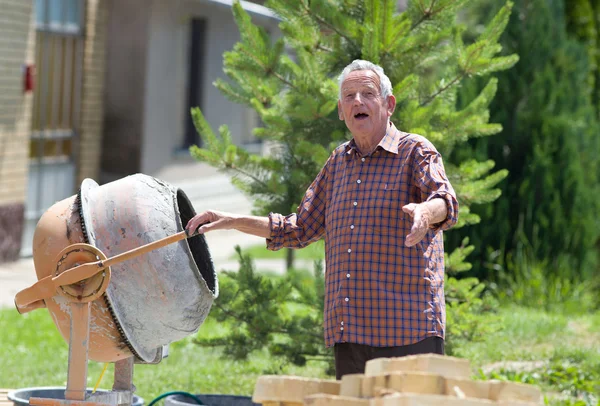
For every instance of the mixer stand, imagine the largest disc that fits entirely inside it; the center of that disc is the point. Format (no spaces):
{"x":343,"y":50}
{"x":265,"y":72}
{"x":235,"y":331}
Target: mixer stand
{"x":80,"y":296}
{"x":76,"y":393}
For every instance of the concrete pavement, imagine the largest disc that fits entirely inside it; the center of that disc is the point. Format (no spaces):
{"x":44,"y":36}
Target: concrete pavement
{"x":207,"y":189}
{"x":15,"y":276}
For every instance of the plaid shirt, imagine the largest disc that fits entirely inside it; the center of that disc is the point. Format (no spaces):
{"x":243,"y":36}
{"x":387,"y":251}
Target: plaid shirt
{"x":378,"y":291}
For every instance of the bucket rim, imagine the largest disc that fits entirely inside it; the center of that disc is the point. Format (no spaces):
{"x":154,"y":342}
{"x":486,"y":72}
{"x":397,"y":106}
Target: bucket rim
{"x":12,"y":395}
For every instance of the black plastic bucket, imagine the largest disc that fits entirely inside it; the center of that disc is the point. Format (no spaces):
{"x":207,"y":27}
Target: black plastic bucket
{"x":20,"y":397}
{"x":210,"y":400}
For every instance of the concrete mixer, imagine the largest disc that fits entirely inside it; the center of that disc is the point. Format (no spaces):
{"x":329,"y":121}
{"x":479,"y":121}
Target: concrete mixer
{"x":121,"y":278}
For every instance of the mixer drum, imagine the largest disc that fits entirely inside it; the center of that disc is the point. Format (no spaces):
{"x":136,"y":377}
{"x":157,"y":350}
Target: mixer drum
{"x":152,"y":300}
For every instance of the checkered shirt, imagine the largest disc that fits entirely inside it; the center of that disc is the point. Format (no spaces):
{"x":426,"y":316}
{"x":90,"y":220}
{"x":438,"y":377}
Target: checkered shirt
{"x":378,"y":291}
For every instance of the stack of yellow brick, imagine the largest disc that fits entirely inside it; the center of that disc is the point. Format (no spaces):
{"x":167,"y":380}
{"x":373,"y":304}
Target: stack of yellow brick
{"x":420,"y":380}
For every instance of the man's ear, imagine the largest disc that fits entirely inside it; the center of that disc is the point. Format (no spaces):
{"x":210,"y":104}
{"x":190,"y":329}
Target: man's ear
{"x":340,"y":113}
{"x":391,"y":104}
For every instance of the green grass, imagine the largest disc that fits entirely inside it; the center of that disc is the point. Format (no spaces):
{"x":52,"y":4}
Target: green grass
{"x":34,"y":354}
{"x":314,"y":251}
{"x":532,"y":335}
{"x":566,"y":349}
{"x":595,"y":323}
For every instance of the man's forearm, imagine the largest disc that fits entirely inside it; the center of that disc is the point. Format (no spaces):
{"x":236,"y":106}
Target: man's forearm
{"x":438,"y":211}
{"x":254,"y":225}
{"x":216,"y":220}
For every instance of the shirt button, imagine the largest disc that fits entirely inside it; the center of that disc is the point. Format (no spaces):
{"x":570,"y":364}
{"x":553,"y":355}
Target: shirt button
{"x":347,"y":275}
{"x":341,"y":328}
{"x":347,"y":299}
{"x":342,"y":323}
{"x":349,"y":250}
{"x":352,"y":227}
{"x":358,"y":181}
{"x":355,"y":203}
{"x":363,"y":159}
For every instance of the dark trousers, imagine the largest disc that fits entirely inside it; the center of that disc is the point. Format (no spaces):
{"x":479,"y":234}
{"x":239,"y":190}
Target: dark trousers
{"x":351,"y":358}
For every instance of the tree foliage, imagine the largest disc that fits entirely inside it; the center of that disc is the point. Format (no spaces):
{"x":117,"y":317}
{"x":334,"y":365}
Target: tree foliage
{"x":549,"y":145}
{"x":583,"y":22}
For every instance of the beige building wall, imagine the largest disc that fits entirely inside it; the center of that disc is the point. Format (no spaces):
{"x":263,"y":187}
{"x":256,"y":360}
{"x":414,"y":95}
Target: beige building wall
{"x":17,"y":46}
{"x":92,"y":109}
{"x":167,"y":74}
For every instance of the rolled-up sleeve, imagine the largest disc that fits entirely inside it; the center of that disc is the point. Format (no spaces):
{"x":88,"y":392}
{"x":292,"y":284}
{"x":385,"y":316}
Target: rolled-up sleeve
{"x":307,"y":225}
{"x":430,"y":177}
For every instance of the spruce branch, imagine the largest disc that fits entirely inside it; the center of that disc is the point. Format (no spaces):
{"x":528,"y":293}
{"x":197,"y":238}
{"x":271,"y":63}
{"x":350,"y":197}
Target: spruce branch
{"x":443,"y":89}
{"x":428,"y":14}
{"x":324,"y":22}
{"x":233,"y":315}
{"x":458,"y":78}
{"x":238,"y":169}
{"x":425,"y":14}
{"x":268,"y":71}
{"x":323,"y":48}
{"x":292,"y":154}
{"x":240,"y":318}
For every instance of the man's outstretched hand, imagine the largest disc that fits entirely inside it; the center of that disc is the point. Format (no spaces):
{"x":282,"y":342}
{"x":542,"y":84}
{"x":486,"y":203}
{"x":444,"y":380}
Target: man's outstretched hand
{"x":421,"y":219}
{"x":210,"y":220}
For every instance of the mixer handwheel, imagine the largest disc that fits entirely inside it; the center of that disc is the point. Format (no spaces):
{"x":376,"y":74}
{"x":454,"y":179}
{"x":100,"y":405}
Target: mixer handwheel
{"x":89,"y":289}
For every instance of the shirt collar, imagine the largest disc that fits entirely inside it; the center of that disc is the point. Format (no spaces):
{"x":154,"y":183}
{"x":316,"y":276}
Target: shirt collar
{"x":389,"y":142}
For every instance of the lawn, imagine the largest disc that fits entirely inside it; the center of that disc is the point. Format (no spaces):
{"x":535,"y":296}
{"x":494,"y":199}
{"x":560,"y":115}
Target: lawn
{"x":312,"y":252}
{"x":35,"y":355}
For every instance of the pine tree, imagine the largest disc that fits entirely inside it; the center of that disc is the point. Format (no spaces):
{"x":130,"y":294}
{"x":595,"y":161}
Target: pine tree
{"x":292,"y":85}
{"x":583,"y":22}
{"x":549,"y":144}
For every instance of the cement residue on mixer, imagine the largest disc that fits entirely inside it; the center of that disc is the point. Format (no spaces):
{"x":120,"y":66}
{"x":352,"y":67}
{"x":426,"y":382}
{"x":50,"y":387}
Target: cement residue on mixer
{"x":63,"y":303}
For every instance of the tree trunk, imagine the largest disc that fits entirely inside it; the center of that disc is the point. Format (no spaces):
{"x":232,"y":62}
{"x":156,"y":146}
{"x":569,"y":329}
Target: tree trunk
{"x":289,"y":259}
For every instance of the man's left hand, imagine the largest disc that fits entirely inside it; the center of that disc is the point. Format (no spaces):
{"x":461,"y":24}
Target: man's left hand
{"x":421,"y":219}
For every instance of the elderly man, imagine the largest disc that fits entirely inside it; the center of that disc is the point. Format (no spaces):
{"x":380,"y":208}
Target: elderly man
{"x":381,"y":202}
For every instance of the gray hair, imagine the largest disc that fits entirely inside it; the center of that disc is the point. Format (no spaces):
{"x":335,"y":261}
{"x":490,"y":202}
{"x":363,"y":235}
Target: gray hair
{"x":359,"y":64}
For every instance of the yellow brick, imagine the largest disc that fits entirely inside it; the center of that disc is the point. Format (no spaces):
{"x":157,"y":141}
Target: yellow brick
{"x":511,"y":391}
{"x":14,"y":174}
{"x":8,"y":170}
{"x":332,"y":400}
{"x":351,"y":385}
{"x":461,"y":387}
{"x":16,"y":32}
{"x":93,"y":88}
{"x":432,"y":363}
{"x":403,"y":382}
{"x":413,"y":382}
{"x":493,"y":390}
{"x":275,"y":388}
{"x":367,"y":386}
{"x":427,"y":400}
{"x":11,"y":195}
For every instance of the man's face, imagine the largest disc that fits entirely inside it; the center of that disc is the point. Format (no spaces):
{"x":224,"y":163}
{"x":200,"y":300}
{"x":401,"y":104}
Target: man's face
{"x":361,"y":106}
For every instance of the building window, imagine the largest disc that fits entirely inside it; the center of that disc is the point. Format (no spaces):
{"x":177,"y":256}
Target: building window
{"x":64,"y":16}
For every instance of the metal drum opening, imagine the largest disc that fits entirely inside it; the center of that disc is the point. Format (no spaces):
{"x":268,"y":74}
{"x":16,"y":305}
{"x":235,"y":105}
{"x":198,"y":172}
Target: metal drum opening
{"x":197,"y":244}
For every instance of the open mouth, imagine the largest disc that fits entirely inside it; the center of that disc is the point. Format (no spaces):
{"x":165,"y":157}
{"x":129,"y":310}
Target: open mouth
{"x":361,"y":116}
